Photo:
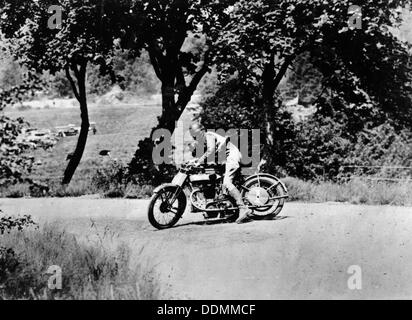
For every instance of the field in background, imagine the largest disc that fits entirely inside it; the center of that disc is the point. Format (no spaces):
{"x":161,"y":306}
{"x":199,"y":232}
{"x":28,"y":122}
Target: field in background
{"x":119,"y":129}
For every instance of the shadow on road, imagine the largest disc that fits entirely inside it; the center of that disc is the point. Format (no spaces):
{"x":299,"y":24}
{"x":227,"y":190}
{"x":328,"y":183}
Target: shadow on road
{"x":225,"y":221}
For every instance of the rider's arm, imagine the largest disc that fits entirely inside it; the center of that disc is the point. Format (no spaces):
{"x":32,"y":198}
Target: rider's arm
{"x":210,"y":148}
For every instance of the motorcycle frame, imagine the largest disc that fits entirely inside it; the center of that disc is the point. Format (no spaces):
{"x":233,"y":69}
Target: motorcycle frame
{"x":187,"y":184}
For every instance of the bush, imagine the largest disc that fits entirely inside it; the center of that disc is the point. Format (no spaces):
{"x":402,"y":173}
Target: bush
{"x":321,"y":147}
{"x":114,"y":181}
{"x":110,"y":178}
{"x":383,"y":146}
{"x":15,"y":162}
{"x":9,"y":223}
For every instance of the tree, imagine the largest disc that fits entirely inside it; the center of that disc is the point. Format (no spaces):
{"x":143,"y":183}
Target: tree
{"x":368,"y":68}
{"x":85,"y":37}
{"x":176,"y":35}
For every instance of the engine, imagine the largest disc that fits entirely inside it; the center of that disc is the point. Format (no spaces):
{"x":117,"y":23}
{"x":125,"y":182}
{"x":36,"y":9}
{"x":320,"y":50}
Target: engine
{"x":206,"y":183}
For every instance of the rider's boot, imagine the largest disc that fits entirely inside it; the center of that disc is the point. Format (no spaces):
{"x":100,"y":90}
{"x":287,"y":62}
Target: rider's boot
{"x":244,"y":215}
{"x":244,"y":212}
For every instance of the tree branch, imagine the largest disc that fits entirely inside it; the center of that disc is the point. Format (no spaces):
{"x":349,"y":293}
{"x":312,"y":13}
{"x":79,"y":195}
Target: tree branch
{"x":198,"y":76}
{"x":187,"y":94}
{"x":155,"y":63}
{"x":180,"y":78}
{"x":281,"y":73}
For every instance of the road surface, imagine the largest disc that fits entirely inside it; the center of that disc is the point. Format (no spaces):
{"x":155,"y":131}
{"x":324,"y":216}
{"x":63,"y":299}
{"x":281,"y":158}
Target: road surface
{"x":306,"y":253}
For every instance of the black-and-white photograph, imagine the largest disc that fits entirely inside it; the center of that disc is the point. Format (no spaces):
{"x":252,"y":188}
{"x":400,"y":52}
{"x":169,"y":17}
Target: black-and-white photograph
{"x":211,"y":150}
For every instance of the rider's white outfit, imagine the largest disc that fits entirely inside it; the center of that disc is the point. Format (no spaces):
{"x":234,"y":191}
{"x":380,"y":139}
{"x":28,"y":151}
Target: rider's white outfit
{"x":214,"y":144}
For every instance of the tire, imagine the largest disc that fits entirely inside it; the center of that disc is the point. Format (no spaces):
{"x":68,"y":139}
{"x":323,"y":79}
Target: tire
{"x":266,"y":183}
{"x":167,"y":191}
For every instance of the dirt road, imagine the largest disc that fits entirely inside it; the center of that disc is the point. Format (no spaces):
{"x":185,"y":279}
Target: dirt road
{"x":306,"y":253}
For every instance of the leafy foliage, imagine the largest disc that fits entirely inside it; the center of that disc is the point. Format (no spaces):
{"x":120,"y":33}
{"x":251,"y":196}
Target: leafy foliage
{"x":85,"y":35}
{"x":134,"y":75}
{"x":321,"y":147}
{"x":383,"y":146}
{"x":111,"y":177}
{"x":15,"y":161}
{"x":315,"y":148}
{"x":302,"y":80}
{"x":11,"y":74}
{"x":363,"y":77}
{"x":367,"y":67}
{"x":176,"y":36}
{"x":237,"y":105}
{"x":9,"y":223}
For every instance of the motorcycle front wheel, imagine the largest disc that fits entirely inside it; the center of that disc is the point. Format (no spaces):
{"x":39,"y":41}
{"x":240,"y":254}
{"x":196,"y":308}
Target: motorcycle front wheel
{"x":162,"y":213}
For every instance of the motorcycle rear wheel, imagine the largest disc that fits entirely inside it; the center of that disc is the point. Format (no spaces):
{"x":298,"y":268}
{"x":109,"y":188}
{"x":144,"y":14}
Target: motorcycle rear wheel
{"x":273,"y":188}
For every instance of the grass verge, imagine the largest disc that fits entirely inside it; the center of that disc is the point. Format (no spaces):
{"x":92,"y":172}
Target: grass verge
{"x":89,"y":270}
{"x":356,"y":191}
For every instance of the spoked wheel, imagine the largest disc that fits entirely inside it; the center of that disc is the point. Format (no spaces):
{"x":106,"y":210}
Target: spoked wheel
{"x":267,"y":195}
{"x":164,"y":211}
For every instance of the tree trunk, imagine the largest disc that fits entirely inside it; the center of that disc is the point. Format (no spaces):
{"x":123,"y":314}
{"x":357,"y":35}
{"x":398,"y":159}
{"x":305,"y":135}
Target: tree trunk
{"x":170,"y":111}
{"x":171,"y":75}
{"x":271,"y":81}
{"x":80,"y":93}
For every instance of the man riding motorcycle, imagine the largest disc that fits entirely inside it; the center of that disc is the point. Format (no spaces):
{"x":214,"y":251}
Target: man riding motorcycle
{"x":215,"y":143}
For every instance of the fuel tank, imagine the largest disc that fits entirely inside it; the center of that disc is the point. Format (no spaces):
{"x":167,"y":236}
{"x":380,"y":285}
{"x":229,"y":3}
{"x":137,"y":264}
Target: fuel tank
{"x":203,"y":177}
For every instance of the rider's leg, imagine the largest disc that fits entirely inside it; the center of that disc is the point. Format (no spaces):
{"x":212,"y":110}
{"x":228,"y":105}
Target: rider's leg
{"x":235,"y":194}
{"x":231,"y":169}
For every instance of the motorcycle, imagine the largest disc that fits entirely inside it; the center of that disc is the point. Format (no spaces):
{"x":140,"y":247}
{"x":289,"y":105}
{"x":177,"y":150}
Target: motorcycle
{"x":202,"y":185}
